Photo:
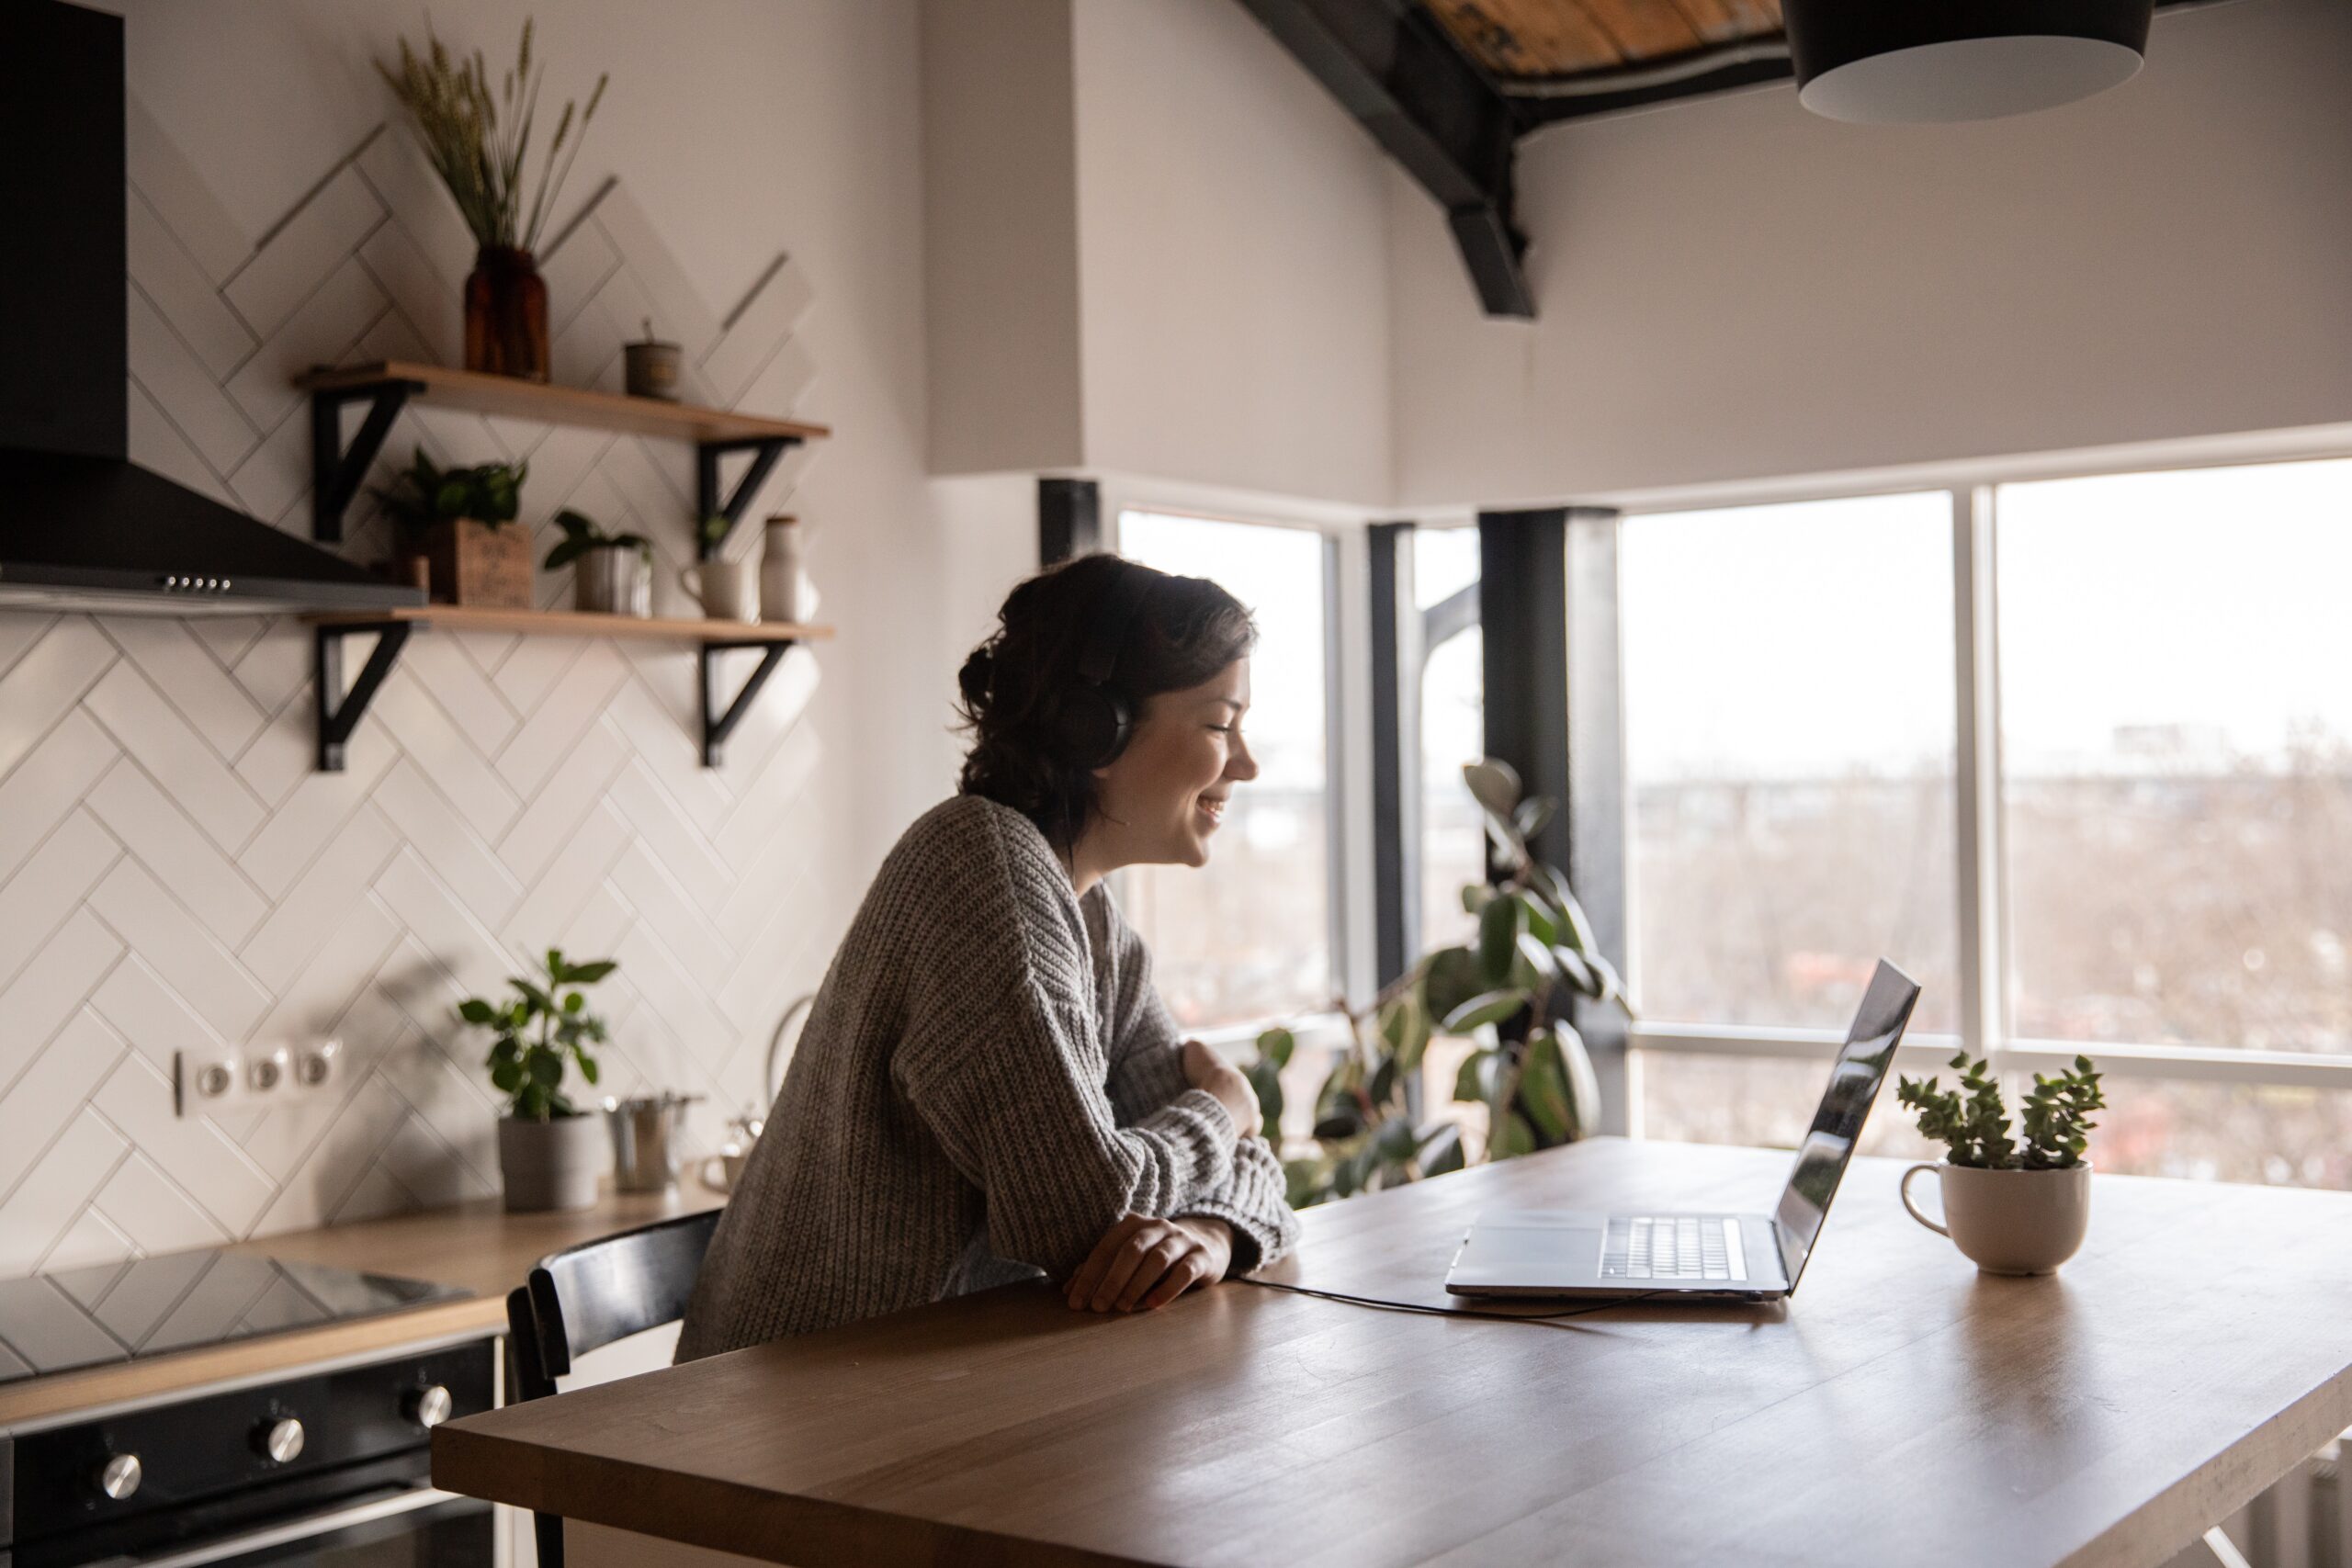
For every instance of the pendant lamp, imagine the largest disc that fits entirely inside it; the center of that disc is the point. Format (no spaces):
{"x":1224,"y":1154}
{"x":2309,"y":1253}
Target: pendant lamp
{"x":1931,"y":61}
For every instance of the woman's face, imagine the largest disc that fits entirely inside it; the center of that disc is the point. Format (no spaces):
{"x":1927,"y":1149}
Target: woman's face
{"x":1161,"y":800}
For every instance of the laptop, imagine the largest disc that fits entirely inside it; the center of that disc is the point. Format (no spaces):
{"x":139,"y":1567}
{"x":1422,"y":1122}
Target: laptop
{"x":1756,"y":1257}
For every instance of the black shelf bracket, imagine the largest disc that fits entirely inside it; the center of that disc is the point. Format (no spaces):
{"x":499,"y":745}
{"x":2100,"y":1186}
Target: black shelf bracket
{"x":718,"y":722}
{"x":339,"y":715}
{"x":336,"y":469}
{"x":764,"y":449}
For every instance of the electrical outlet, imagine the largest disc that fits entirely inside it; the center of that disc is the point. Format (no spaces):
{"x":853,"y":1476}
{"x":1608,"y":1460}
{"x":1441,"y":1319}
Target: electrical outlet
{"x":212,"y":1084}
{"x":207,"y":1085}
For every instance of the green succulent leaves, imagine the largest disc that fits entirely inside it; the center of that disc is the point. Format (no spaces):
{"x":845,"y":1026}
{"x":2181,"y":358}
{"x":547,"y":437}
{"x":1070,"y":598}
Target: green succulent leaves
{"x":1973,"y":1121}
{"x":582,"y":535}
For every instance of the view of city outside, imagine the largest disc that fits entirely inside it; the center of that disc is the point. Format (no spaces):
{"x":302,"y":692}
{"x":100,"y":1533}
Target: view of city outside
{"x":1248,"y":939}
{"x":2176,"y":752}
{"x":1453,"y":844}
{"x":1790,"y":740}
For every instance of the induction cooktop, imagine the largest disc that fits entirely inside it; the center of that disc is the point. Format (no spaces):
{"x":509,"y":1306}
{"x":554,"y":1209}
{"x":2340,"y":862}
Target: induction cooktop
{"x":182,"y":1300}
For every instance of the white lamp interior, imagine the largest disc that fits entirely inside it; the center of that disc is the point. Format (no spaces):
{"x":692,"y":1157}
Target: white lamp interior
{"x":1977,"y":78}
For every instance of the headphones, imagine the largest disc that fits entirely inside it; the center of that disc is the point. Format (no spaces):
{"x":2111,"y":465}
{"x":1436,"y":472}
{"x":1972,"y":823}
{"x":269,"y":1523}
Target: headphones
{"x":1095,"y":721}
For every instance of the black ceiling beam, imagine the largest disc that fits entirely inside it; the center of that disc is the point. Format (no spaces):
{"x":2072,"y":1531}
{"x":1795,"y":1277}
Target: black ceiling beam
{"x":1394,"y":66}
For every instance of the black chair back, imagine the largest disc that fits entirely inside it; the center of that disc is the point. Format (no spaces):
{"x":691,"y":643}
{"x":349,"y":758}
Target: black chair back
{"x":585,"y":1297}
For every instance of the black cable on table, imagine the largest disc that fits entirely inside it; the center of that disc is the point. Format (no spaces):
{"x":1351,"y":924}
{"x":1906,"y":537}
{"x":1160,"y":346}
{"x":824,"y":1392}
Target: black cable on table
{"x":1426,"y":1311}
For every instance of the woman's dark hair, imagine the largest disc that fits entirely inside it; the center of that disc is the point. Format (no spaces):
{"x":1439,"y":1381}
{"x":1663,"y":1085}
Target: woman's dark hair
{"x":1018,"y":685}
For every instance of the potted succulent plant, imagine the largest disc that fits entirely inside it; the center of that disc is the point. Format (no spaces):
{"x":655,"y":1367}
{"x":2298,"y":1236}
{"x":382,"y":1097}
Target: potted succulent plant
{"x":1506,"y":992}
{"x":612,"y":574}
{"x":549,"y":1151}
{"x":480,"y":143}
{"x":458,"y":519}
{"x":2011,"y":1206}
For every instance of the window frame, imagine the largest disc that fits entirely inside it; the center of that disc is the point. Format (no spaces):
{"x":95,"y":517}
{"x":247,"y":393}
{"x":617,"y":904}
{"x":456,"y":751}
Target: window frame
{"x":1346,"y":637}
{"x":1984,"y":953}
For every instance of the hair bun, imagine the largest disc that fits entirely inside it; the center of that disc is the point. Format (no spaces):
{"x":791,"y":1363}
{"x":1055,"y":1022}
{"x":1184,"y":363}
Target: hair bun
{"x":977,"y":680}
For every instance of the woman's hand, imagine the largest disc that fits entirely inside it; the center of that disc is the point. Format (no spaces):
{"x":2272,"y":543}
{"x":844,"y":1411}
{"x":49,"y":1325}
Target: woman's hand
{"x":1204,"y":1069}
{"x":1143,"y":1263}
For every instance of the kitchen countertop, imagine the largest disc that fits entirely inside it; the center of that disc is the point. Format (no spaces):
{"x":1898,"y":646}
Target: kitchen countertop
{"x":476,"y":1247}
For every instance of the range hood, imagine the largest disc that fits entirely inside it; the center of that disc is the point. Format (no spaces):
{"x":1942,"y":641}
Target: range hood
{"x":81,"y":527}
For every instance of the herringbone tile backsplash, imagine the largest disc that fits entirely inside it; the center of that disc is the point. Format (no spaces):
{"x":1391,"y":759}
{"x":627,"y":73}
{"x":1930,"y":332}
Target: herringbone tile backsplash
{"x":174,"y":875}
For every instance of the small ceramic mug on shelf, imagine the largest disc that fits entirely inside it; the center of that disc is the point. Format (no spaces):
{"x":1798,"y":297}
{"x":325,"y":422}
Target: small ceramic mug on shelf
{"x":2009,"y":1222}
{"x":727,"y":590}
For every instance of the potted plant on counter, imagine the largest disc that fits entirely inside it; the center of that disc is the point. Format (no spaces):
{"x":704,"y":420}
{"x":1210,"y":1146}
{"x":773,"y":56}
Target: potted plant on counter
{"x":549,"y":1151}
{"x":463,"y":520}
{"x":2010,"y":1207}
{"x":612,"y":574}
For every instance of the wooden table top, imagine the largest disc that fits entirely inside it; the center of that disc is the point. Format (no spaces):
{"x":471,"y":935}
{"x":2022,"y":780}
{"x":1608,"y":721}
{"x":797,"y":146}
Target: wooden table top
{"x":1901,"y":1408}
{"x":476,"y":1247}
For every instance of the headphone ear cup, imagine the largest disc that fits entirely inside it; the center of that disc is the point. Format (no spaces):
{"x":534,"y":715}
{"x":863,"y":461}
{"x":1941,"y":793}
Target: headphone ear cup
{"x":1093,"y":728}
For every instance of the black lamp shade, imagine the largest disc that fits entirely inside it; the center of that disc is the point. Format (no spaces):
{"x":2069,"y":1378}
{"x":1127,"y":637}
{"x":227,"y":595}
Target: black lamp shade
{"x":1955,"y":60}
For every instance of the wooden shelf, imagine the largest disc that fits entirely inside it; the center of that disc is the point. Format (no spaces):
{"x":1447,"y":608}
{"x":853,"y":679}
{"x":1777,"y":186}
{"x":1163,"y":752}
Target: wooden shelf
{"x":578,"y":623}
{"x":511,"y":398}
{"x":389,"y":385}
{"x":339,"y":708}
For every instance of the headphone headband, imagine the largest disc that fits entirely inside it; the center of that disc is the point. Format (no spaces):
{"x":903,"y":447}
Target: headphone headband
{"x":1100,"y":654}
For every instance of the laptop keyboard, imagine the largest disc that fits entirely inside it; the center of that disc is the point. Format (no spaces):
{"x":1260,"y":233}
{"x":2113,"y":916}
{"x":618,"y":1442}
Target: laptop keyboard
{"x":1673,"y":1247}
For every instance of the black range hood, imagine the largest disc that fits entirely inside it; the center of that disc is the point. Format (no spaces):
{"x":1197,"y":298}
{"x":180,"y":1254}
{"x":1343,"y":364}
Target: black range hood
{"x":81,"y":527}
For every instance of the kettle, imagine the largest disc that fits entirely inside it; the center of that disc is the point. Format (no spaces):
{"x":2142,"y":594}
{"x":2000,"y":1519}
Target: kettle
{"x":745,"y":1130}
{"x":645,"y":1139}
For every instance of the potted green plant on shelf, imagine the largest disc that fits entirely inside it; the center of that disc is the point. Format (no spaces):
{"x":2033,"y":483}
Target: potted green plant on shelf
{"x":458,"y":520}
{"x":549,"y":1151}
{"x":2011,"y":1206}
{"x":480,"y":143}
{"x":1507,"y":991}
{"x":612,"y":574}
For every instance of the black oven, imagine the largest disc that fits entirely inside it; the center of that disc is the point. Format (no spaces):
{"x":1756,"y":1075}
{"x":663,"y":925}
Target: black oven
{"x":330,"y":1467}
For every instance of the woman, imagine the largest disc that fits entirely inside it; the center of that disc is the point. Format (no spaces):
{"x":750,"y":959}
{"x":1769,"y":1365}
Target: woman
{"x":988,"y":1086}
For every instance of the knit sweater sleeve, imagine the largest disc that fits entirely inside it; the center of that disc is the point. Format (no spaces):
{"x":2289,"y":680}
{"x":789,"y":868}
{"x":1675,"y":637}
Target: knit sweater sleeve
{"x":1148,"y":1072}
{"x":1002,"y":1063}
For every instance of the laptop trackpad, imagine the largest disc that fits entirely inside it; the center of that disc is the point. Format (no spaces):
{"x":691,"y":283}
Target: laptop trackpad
{"x":1530,"y":1249}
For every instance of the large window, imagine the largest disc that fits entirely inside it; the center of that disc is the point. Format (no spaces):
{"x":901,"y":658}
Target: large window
{"x":2176,"y":735}
{"x":2160,"y":802}
{"x":1452,"y":710}
{"x":1788,"y":678}
{"x":1250,"y":937}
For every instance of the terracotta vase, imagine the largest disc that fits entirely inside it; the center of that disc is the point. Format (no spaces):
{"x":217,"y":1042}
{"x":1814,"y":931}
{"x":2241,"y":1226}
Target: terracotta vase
{"x":506,"y":315}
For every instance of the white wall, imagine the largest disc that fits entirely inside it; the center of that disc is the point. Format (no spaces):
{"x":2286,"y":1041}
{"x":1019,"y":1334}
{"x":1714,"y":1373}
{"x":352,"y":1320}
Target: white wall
{"x":1233,"y":258}
{"x":1000,"y":235}
{"x":1731,"y":288}
{"x":172,"y":873}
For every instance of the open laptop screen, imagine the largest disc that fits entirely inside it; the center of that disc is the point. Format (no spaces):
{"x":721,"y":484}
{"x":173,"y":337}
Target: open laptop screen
{"x":1853,"y":1085}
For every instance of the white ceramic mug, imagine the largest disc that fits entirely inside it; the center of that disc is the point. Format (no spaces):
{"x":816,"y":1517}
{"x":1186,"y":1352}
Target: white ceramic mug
{"x":2009,"y":1222}
{"x":727,"y":590}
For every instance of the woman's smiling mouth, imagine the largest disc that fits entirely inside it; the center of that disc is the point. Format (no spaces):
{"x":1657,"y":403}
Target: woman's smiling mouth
{"x":1212,"y":807}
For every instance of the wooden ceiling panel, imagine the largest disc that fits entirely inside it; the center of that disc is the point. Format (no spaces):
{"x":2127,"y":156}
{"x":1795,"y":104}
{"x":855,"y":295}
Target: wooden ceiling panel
{"x":1643,"y":29}
{"x":1520,"y":39}
{"x":1528,"y":38}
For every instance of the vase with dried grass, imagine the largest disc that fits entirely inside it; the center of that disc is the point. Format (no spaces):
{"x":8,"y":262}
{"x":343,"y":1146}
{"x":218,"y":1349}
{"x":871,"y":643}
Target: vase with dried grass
{"x":479,"y":142}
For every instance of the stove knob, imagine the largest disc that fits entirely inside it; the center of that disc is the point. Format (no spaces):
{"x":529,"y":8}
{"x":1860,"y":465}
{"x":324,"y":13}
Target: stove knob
{"x":280,"y":1442}
{"x":430,"y":1406}
{"x":119,"y":1478}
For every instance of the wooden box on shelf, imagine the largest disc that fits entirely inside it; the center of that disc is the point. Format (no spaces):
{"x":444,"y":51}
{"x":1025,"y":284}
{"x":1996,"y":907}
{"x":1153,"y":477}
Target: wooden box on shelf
{"x":480,"y":564}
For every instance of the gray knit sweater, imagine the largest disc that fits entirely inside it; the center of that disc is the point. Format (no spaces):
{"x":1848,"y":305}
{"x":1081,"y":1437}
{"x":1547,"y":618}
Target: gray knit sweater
{"x":987,"y":1082}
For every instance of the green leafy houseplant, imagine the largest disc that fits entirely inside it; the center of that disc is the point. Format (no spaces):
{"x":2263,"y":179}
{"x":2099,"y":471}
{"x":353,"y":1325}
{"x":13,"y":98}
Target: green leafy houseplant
{"x":479,"y":141}
{"x":1972,"y":1122}
{"x":542,"y":1027}
{"x":582,"y":535}
{"x":1506,"y":990}
{"x":425,"y":494}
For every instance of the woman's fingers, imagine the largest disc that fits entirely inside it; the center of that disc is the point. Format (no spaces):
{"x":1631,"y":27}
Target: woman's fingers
{"x":1134,"y":1255}
{"x":1189,"y":1271}
{"x":1152,"y":1268}
{"x":1083,"y":1283}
